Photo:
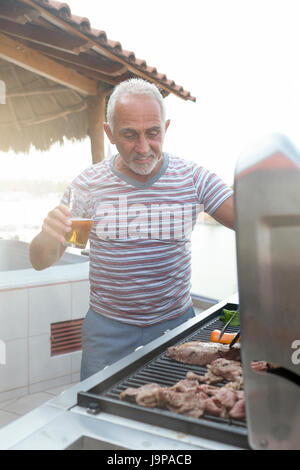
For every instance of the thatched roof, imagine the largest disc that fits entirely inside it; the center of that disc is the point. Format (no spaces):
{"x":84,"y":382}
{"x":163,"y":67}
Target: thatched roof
{"x":52,"y":62}
{"x":38,"y":111}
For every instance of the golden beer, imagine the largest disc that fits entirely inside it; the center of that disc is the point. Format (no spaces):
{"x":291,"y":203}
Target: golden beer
{"x":79,"y":234}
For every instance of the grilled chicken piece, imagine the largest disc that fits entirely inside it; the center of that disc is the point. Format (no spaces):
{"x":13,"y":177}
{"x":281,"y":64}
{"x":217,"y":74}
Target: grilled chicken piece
{"x":226,"y":369}
{"x":193,"y":376}
{"x":188,"y":403}
{"x":238,"y":411}
{"x":215,"y":407}
{"x":189,"y":398}
{"x":259,"y":366}
{"x":227,"y":397}
{"x":219,"y":370}
{"x":146,"y":395}
{"x":186,"y":385}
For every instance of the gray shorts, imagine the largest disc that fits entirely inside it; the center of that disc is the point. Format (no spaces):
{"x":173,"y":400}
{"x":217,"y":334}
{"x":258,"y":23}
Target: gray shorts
{"x":105,"y":341}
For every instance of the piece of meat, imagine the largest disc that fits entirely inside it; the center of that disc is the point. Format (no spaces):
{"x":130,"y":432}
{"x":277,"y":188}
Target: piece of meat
{"x":210,"y":390}
{"x":238,"y":384}
{"x":193,"y":376}
{"x":215,"y":407}
{"x":259,"y":366}
{"x":186,"y":385}
{"x":190,"y":398}
{"x":227,"y":397}
{"x":201,"y":353}
{"x":224,"y":402}
{"x":187,"y":403}
{"x":223,"y":397}
{"x":130,"y":392}
{"x":238,"y":411}
{"x":223,"y":369}
{"x":146,"y":395}
{"x":228,"y":369}
{"x":210,"y":378}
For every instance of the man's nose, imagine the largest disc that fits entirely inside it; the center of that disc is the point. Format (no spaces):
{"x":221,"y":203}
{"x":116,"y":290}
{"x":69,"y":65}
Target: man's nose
{"x":142,"y":145}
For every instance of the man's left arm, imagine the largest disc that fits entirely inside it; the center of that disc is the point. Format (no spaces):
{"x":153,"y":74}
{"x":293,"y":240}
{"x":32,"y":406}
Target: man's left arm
{"x":225,"y":213}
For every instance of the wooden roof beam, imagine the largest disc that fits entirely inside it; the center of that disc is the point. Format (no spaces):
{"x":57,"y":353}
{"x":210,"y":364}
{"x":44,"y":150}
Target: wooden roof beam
{"x":18,"y":12}
{"x":92,"y":62}
{"x":29,"y":59}
{"x":35,"y":33}
{"x":94,"y":74}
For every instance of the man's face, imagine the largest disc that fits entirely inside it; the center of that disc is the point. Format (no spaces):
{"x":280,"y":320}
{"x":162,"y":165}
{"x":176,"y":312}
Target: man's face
{"x":138,"y":133}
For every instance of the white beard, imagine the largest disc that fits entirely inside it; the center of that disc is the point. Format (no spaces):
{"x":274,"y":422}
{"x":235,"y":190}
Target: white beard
{"x":143,"y":169}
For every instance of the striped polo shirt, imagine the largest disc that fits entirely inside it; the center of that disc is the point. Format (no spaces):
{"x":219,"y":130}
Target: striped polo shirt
{"x":140,"y":250}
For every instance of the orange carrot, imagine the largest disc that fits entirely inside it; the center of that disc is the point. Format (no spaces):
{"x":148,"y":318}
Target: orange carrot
{"x":226,"y":338}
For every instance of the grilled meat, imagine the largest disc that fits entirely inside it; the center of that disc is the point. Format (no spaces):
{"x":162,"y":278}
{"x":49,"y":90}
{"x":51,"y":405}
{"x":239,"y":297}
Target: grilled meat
{"x":223,"y":399}
{"x":238,"y":411}
{"x":192,"y":376}
{"x":190,"y":398}
{"x":214,"y":407}
{"x":236,"y":385}
{"x":195,"y":395}
{"x":201,"y":354}
{"x":188,"y":403}
{"x":223,"y":369}
{"x":186,"y":385}
{"x":259,"y":366}
{"x":227,"y":397}
{"x":146,"y":395}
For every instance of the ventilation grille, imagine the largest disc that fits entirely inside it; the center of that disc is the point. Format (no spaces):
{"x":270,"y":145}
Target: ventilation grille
{"x":66,"y":336}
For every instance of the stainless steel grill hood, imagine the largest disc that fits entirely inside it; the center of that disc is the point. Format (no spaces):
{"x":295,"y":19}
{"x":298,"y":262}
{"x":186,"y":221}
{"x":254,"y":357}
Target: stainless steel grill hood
{"x":267,"y":206}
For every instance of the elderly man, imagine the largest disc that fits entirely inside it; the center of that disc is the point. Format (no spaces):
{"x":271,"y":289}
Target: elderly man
{"x":148,"y":201}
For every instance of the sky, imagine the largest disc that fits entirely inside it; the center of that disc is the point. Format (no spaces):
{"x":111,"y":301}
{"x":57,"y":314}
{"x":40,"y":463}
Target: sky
{"x":239,"y":58}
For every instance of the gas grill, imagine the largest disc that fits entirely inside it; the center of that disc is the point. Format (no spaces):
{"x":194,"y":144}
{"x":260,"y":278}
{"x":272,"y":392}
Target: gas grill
{"x":157,"y":367}
{"x":91,"y":414}
{"x":267,"y":219}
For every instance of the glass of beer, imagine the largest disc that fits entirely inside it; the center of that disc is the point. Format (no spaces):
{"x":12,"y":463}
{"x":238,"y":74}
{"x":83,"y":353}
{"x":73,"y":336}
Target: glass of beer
{"x":81,"y":206}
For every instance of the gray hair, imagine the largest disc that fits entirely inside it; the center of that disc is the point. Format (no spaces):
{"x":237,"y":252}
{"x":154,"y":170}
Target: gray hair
{"x":133,"y":87}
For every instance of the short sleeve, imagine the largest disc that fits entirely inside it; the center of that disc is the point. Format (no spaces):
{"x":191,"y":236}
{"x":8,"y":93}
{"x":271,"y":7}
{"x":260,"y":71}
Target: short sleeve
{"x":211,"y":190}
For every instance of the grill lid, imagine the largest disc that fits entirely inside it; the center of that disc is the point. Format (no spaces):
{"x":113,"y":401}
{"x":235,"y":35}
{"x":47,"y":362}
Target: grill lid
{"x":267,"y":202}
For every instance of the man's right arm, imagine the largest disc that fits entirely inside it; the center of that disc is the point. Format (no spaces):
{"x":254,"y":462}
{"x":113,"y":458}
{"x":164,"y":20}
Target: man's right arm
{"x":47,"y":247}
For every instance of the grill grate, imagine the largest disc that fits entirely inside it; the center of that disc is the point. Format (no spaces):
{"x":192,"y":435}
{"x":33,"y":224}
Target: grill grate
{"x":166,"y":372}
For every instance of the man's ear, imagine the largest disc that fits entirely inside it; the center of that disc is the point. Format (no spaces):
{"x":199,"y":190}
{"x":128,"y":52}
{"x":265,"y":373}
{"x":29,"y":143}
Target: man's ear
{"x":108,"y":132}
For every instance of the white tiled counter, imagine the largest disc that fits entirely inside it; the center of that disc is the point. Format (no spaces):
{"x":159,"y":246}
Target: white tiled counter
{"x":29,"y":302}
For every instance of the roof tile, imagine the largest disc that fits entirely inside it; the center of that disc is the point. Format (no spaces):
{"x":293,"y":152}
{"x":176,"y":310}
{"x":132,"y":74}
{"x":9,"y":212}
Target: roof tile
{"x":63,"y":10}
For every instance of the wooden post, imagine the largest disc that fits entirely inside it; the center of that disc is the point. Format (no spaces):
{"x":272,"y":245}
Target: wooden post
{"x":96,"y":114}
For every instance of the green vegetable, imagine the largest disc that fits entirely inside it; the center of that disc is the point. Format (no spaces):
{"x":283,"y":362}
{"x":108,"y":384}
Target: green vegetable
{"x":227,"y":314}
